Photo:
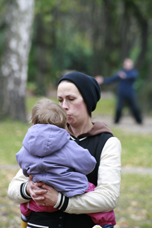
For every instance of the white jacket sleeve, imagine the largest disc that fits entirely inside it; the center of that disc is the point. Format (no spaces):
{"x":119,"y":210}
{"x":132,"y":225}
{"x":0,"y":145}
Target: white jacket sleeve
{"x":14,"y":188}
{"x":105,"y":196}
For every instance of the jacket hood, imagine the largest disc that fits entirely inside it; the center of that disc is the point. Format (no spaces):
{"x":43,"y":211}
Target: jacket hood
{"x":45,"y":139}
{"x":98,"y":128}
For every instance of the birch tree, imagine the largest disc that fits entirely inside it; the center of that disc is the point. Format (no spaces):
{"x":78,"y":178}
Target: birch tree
{"x":14,"y":61}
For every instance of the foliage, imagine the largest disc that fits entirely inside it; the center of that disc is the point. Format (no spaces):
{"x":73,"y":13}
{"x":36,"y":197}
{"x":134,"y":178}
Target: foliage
{"x":78,"y":37}
{"x":92,"y":37}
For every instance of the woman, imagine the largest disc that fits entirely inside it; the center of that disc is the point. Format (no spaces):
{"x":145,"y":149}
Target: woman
{"x":78,"y":94}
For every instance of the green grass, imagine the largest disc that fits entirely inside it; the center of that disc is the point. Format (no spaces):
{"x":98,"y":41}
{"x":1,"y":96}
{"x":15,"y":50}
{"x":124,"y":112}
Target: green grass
{"x":30,"y":101}
{"x":9,"y":211}
{"x":135,"y":204}
{"x":133,"y":210}
{"x":11,"y":136}
{"x":136,"y":148}
{"x":105,"y":107}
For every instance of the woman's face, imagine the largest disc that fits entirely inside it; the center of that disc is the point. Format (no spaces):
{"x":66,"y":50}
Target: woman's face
{"x":71,"y":100}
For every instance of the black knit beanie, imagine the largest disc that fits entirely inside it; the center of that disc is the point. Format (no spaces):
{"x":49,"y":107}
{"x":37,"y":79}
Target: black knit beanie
{"x":88,"y":87}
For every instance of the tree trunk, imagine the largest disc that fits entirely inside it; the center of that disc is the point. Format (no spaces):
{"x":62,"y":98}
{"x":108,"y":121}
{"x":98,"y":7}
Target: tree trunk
{"x":143,"y":27}
{"x":124,"y":33}
{"x":96,"y":20}
{"x":14,"y":64}
{"x":111,"y":46}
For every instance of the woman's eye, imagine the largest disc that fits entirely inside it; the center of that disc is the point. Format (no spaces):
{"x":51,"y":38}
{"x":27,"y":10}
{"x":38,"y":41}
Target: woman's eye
{"x":71,"y":99}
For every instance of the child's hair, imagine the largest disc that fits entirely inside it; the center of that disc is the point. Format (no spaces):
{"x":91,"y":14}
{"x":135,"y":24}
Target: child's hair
{"x":46,"y":111}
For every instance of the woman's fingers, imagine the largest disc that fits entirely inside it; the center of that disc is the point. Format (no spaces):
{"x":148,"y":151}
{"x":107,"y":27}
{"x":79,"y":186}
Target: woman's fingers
{"x":35,"y":190}
{"x":41,"y":193}
{"x":51,"y":196}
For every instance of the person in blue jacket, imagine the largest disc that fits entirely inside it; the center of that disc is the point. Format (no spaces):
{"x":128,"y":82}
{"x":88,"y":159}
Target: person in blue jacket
{"x":126,"y":92}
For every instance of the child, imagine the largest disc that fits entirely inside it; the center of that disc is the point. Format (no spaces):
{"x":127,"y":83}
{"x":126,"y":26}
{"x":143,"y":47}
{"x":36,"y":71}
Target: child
{"x":50,"y":156}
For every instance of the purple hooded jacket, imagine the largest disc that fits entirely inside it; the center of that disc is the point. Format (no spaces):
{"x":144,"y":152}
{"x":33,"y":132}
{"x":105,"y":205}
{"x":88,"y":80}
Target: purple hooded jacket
{"x":50,"y":156}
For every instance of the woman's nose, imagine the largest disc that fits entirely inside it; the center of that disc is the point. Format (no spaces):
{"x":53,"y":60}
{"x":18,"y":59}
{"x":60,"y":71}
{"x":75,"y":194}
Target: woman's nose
{"x":65,"y":105}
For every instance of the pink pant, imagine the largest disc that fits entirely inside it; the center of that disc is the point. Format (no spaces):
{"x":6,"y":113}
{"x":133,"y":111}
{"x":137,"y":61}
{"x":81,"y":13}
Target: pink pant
{"x":98,"y":218}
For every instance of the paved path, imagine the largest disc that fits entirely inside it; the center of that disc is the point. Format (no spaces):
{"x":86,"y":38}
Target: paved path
{"x":127,"y":123}
{"x":133,"y":170}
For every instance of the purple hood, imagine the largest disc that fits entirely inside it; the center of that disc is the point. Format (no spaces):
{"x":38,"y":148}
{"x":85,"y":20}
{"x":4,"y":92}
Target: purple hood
{"x":50,"y":156}
{"x":45,"y":137}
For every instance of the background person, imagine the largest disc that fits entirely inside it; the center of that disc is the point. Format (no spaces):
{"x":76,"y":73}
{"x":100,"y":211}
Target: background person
{"x":126,"y":94}
{"x":78,"y":94}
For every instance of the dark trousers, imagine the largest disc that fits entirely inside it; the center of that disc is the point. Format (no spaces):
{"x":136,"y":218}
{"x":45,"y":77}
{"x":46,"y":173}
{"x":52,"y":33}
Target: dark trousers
{"x":60,"y":219}
{"x":131,"y":102}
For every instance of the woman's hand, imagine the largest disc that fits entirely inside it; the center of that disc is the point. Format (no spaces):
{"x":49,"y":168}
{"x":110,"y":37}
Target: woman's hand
{"x":41,"y":193}
{"x":50,"y":197}
{"x":35,"y":190}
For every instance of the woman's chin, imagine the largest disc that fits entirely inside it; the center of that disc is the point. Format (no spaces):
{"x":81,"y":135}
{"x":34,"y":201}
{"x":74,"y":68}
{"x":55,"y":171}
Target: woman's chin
{"x":70,"y":121}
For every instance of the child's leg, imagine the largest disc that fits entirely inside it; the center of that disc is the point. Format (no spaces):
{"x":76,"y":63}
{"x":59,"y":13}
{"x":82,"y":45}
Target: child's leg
{"x":96,"y":226}
{"x":103,"y":217}
{"x":23,"y":224}
{"x":23,"y":221}
{"x":91,"y":187}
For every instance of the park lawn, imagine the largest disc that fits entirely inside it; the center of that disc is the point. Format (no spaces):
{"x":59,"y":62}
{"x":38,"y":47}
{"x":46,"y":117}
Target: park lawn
{"x":9,"y":211}
{"x":31,"y":100}
{"x":134,"y":208}
{"x":104,"y":106}
{"x":135,"y":204}
{"x":11,"y":137}
{"x":136,"y":148}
